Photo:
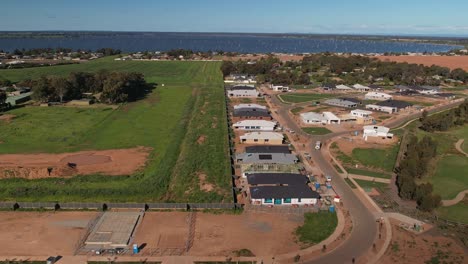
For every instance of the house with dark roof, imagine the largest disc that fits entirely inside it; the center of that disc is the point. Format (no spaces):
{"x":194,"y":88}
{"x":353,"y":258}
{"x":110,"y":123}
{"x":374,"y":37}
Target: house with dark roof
{"x":328,"y":86}
{"x":283,"y":195}
{"x":268,"y":149}
{"x":276,"y":179}
{"x":398,"y":105}
{"x":352,"y":99}
{"x":252,"y":113}
{"x":340,"y":103}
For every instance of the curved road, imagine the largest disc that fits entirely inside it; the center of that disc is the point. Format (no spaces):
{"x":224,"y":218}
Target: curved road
{"x":364,"y":222}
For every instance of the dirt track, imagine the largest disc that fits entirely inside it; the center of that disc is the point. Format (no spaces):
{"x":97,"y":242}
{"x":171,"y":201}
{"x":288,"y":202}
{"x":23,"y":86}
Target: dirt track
{"x":451,"y":62}
{"x":107,"y":162}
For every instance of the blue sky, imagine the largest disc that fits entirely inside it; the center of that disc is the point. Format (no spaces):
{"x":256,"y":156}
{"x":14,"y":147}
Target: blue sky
{"x":426,"y":17}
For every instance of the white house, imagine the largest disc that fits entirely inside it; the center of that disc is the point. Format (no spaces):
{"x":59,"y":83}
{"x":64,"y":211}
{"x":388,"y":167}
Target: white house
{"x":263,"y":138}
{"x":280,"y":88}
{"x":314,"y":118}
{"x":261,"y":125}
{"x":343,"y":87}
{"x":361,"y":88}
{"x":257,"y":106}
{"x":387,"y":109}
{"x":361,"y":113}
{"x":378,"y":96}
{"x":376,"y":131}
{"x":283,"y":195}
{"x":242,"y":91}
{"x":240,"y":78}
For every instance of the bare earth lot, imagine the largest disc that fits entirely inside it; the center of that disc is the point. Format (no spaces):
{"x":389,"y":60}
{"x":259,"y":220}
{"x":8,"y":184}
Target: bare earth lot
{"x":107,"y":162}
{"x":451,"y":62}
{"x":41,"y":234}
{"x":220,"y":234}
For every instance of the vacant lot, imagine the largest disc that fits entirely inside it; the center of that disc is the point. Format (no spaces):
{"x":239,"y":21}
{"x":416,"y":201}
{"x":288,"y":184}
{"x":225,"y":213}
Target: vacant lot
{"x":220,"y":234}
{"x":383,"y":159}
{"x":170,"y":120}
{"x":42,"y":234}
{"x":302,"y":97}
{"x":451,"y":62}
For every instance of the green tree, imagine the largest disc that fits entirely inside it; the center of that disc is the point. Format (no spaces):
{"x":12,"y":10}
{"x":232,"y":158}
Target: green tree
{"x":3,"y":97}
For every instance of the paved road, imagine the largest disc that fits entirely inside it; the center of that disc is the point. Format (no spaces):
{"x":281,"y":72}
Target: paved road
{"x":364,"y":225}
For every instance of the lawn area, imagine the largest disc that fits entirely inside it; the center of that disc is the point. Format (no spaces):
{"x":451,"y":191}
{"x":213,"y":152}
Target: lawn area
{"x":317,"y":227}
{"x":303,"y":97}
{"x":462,"y":133}
{"x":297,"y":110}
{"x":367,"y":185}
{"x":170,"y":120}
{"x":368,"y":173}
{"x":383,"y":159}
{"x":457,"y":213}
{"x":316,"y":130}
{"x":450,"y":177}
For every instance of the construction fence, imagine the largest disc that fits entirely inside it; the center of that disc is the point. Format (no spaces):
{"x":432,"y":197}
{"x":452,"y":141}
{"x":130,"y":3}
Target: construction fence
{"x":106,"y":206}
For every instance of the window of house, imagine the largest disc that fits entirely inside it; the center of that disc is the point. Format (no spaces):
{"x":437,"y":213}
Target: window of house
{"x":268,"y":200}
{"x":298,"y":200}
{"x":255,"y":140}
{"x":267,"y":140}
{"x":287,"y":200}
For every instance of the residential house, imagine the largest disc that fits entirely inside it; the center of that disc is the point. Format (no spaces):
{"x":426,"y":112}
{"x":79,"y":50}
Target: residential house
{"x":378,"y":96}
{"x":239,"y":106}
{"x":362,"y":116}
{"x":268,"y":149}
{"x":276,"y":179}
{"x":266,"y":158}
{"x":283,"y":195}
{"x":242,"y":91}
{"x":374,"y":87}
{"x":280,"y":88}
{"x":343,"y":87}
{"x":324,"y":118}
{"x":361,"y":88}
{"x":340,"y":103}
{"x":240,"y":78}
{"x":380,"y":108}
{"x":376,"y":131}
{"x":328,"y":86}
{"x":398,"y":105}
{"x":262,"y":125}
{"x":272,"y":138}
{"x":352,"y":99}
{"x":252,"y":113}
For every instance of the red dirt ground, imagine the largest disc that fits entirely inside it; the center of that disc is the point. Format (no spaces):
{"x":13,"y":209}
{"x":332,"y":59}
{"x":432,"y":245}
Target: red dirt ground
{"x":451,"y":62}
{"x":107,"y":162}
{"x":42,"y":234}
{"x":407,"y":247}
{"x":220,"y":234}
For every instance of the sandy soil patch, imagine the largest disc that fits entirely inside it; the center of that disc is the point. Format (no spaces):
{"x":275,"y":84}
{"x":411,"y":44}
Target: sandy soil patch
{"x":107,"y":162}
{"x":42,"y":234}
{"x":407,"y":247}
{"x":220,"y":234}
{"x":201,"y":139}
{"x":7,"y":118}
{"x":451,"y":62}
{"x":347,"y":144}
{"x":204,"y":186}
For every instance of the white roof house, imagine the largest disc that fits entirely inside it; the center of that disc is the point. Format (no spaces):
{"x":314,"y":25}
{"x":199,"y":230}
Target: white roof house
{"x":361,"y":88}
{"x":262,"y":136}
{"x":343,"y":87}
{"x":378,"y":96}
{"x":361,"y":113}
{"x":376,"y":131}
{"x":262,"y":125}
{"x":243,"y":91}
{"x":240,"y":106}
{"x":280,"y":88}
{"x":320,"y":118}
{"x":387,"y":109}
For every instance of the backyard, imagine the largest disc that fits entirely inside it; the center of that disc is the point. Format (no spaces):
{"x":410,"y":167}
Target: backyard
{"x":169,"y":121}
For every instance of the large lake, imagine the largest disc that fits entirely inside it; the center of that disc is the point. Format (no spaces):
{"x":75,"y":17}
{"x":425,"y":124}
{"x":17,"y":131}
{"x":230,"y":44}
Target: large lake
{"x":244,"y":43}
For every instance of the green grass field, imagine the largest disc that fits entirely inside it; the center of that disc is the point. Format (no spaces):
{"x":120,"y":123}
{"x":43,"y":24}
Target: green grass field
{"x":368,"y":173}
{"x":451,"y":176}
{"x":382,"y":159}
{"x":296,"y":110}
{"x":317,"y":227}
{"x":367,"y":185}
{"x":457,"y":213}
{"x":302,"y":97}
{"x":316,"y":130}
{"x":169,"y":120}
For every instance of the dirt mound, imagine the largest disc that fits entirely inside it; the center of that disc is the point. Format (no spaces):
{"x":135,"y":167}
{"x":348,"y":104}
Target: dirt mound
{"x":201,"y":139}
{"x":204,"y":186}
{"x":106,"y":162}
